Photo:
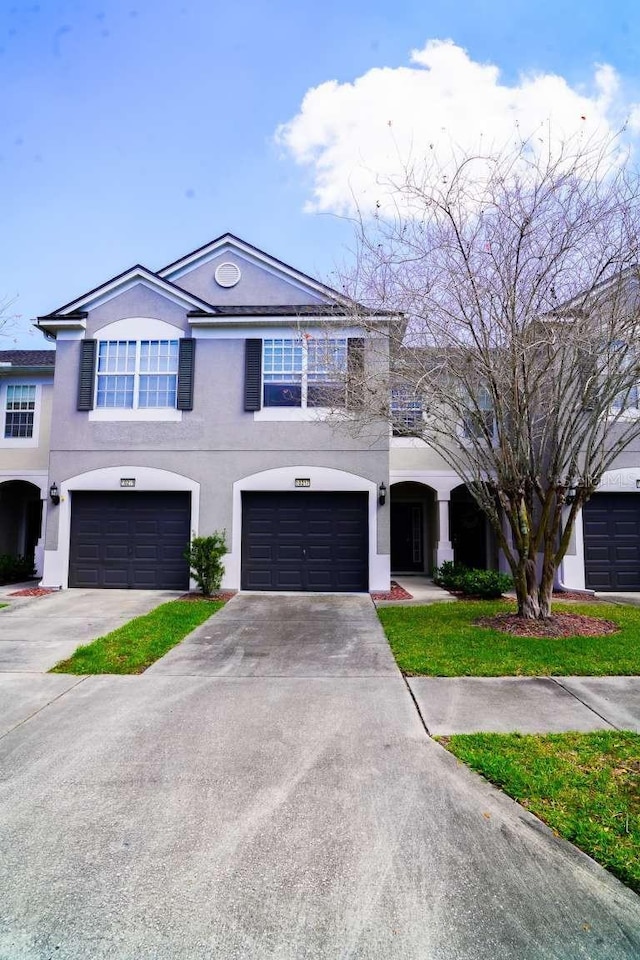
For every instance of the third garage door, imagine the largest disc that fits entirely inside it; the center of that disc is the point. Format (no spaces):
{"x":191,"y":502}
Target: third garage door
{"x":611,"y":523}
{"x":305,"y":541}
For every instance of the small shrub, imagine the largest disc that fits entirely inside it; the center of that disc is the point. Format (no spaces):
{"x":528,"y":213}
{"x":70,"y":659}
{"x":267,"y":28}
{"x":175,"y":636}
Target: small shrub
{"x":449,"y":575}
{"x":488,"y":584}
{"x":205,"y":559}
{"x":15,"y":569}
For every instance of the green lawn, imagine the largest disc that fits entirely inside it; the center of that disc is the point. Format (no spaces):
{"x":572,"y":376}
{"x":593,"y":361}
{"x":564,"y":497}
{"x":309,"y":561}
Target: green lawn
{"x":441,"y":640}
{"x":136,"y":645}
{"x":585,"y":786}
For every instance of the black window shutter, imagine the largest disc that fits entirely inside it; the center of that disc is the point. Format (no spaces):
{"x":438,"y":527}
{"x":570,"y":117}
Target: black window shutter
{"x":87,"y":374}
{"x":355,"y":372}
{"x":186,"y":358}
{"x":252,"y":374}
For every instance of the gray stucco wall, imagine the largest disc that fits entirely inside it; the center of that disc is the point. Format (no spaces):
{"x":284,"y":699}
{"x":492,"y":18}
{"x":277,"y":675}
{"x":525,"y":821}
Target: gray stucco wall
{"x":256,"y":286}
{"x":215,"y":444}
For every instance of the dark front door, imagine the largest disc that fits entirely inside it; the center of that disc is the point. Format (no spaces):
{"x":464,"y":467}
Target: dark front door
{"x":468,"y":530}
{"x":130,"y":540}
{"x":611,"y":524}
{"x":407,"y":538}
{"x":305,"y":541}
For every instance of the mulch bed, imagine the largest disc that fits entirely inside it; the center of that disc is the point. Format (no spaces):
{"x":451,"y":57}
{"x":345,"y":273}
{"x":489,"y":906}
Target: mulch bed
{"x":396,"y":593}
{"x":34,"y":592}
{"x":558,"y":625}
{"x":574,"y":595}
{"x":223,"y":595}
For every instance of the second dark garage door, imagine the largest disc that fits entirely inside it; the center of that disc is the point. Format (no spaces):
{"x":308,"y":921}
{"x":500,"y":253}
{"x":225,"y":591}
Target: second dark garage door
{"x":611,"y":524}
{"x":305,"y":541}
{"x":130,"y":540}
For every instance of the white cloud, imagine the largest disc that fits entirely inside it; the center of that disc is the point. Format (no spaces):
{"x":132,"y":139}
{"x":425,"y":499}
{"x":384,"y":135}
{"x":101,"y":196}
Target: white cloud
{"x":352,"y":135}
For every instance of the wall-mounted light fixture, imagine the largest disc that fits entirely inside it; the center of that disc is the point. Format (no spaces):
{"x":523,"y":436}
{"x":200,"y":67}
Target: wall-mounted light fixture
{"x":382,"y":494}
{"x":53,"y":493}
{"x":571,"y":495}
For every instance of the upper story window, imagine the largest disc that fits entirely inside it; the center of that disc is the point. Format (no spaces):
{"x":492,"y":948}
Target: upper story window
{"x":479,"y":421}
{"x":304,"y":372}
{"x":406,"y":412}
{"x":20,"y":406}
{"x":137,"y":374}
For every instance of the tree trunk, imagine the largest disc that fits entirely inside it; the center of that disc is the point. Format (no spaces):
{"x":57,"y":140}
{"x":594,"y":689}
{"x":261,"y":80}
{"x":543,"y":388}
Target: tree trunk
{"x":527,"y":590}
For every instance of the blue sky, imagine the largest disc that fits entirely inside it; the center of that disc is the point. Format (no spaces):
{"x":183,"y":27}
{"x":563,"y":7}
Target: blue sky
{"x":137,"y":131}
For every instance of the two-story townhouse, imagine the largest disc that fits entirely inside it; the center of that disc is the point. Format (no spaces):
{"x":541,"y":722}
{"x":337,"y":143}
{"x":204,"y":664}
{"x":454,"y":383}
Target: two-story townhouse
{"x":193,"y":399}
{"x":26,"y":387}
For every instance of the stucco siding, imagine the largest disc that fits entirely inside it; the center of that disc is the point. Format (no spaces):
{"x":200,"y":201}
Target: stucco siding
{"x":256,"y":286}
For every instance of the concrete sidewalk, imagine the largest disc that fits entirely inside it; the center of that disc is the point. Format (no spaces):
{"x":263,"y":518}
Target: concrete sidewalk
{"x":451,"y":705}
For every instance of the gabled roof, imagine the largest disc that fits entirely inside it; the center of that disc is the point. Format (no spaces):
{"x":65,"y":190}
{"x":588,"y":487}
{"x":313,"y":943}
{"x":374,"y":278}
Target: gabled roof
{"x":211,"y":250}
{"x":123,"y":281}
{"x":28,"y":358}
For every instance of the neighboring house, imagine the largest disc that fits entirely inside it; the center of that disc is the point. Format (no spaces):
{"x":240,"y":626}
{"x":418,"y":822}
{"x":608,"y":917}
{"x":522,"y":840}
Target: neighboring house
{"x":26,"y":386}
{"x":192,"y":399}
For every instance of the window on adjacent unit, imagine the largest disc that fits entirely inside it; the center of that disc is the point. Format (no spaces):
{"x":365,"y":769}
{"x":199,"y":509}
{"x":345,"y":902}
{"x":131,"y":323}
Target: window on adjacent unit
{"x":479,"y":421}
{"x":406,"y":412}
{"x":20,"y":408}
{"x":304,"y":373}
{"x":137,"y":374}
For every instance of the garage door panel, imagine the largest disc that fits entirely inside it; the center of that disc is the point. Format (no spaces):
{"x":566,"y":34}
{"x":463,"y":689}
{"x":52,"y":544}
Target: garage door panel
{"x":320,"y":542}
{"x":130,"y":540}
{"x":611,"y":524}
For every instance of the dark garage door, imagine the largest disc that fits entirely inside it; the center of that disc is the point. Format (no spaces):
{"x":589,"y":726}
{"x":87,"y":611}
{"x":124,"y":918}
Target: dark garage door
{"x":130,"y":540}
{"x":305,"y":541}
{"x":612,"y":541}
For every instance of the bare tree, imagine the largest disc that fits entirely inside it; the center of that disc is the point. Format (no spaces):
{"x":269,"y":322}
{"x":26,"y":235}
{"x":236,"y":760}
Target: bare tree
{"x":514,"y":280}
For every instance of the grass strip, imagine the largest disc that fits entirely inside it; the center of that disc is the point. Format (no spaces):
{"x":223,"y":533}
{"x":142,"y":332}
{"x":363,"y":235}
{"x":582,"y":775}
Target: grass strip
{"x":585,"y":786}
{"x":441,"y":640}
{"x":137,"y":644}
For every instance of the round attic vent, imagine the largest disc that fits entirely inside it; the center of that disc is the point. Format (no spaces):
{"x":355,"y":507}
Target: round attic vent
{"x":227,"y":274}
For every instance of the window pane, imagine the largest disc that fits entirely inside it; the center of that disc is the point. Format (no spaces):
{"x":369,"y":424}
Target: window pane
{"x":158,"y":391}
{"x":323,"y":394}
{"x":282,"y":356}
{"x":282,"y":395}
{"x":18,"y":425}
{"x":327,"y":356}
{"x":159,"y":356}
{"x":406,"y":412}
{"x":115,"y":391}
{"x":116,"y":356}
{"x":21,"y":397}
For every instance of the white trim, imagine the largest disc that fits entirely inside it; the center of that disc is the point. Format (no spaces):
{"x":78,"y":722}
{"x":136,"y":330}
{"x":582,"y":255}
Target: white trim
{"x":322,"y":479}
{"x":218,"y":247}
{"x":117,"y":332}
{"x":123,"y":283}
{"x":131,"y":415}
{"x":442,"y":481}
{"x":56,"y":561}
{"x":233,"y":327}
{"x":139,"y":328}
{"x":292,"y":414}
{"x":19,"y":443}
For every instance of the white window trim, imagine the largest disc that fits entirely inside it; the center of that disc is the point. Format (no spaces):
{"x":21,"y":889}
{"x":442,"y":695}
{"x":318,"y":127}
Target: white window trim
{"x":134,"y":413}
{"x":303,"y":412}
{"x":18,"y":442}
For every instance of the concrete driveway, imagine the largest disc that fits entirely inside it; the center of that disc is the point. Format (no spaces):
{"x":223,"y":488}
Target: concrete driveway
{"x":235,"y":813}
{"x":35,"y":633}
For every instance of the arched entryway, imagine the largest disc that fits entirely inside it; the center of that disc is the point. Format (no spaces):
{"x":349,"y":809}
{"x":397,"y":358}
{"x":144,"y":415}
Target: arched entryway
{"x":471,"y":536}
{"x":413,"y":527}
{"x":20,"y":518}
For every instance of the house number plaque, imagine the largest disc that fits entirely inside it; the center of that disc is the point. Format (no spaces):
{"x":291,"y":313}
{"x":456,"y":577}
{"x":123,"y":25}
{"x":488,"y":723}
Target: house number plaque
{"x":127,"y":481}
{"x":302,"y":482}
